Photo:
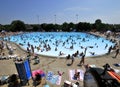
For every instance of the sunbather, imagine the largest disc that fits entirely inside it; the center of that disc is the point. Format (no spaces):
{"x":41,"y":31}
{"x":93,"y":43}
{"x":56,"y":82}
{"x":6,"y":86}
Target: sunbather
{"x":76,"y":75}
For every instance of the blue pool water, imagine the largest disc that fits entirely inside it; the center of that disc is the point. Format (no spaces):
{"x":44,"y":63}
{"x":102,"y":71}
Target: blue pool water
{"x":62,"y":41}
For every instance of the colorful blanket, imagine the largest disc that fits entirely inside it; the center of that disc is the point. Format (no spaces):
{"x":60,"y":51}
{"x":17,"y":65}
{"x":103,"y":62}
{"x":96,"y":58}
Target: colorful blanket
{"x":54,"y":79}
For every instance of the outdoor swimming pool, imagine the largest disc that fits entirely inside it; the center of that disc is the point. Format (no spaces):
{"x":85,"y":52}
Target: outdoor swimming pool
{"x":51,"y":43}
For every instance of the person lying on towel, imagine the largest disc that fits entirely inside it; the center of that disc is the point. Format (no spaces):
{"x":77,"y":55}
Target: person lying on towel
{"x":76,"y":75}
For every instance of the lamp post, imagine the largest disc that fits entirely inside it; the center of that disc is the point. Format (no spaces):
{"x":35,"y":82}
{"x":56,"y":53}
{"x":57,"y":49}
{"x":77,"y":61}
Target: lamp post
{"x":76,"y":18}
{"x":55,"y":18}
{"x":38,"y":19}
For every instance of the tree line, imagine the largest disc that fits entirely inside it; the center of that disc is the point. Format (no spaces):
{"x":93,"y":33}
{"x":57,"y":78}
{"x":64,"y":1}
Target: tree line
{"x":18,"y":25}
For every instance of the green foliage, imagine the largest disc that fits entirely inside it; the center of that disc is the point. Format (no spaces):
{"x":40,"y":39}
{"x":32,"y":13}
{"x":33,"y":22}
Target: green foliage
{"x":65,"y":26}
{"x":35,"y":27}
{"x":83,"y":26}
{"x":47,"y":27}
{"x":98,"y":21}
{"x":99,"y":25}
{"x":1,"y":27}
{"x":5,"y":27}
{"x":18,"y":25}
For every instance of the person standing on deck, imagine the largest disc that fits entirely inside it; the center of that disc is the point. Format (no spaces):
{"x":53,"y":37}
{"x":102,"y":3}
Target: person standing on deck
{"x":117,"y":52}
{"x":73,"y":59}
{"x":109,"y":50}
{"x":82,"y":61}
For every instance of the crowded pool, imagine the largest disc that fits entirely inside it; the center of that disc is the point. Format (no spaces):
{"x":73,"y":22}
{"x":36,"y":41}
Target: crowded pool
{"x":60,"y":44}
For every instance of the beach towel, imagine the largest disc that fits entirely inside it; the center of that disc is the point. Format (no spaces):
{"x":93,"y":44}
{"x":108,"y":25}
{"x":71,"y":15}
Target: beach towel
{"x":49,"y":75}
{"x":59,"y":80}
{"x":54,"y":79}
{"x":72,"y":72}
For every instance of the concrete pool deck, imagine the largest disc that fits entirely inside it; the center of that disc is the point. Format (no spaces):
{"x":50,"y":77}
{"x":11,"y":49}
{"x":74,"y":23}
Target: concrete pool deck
{"x":7,"y":67}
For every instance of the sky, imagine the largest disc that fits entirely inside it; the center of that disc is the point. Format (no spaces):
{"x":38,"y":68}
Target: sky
{"x":59,"y":11}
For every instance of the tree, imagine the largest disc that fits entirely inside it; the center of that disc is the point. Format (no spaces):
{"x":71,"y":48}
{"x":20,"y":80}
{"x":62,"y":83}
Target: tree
{"x":98,"y":24}
{"x":65,"y":26}
{"x":83,"y":26}
{"x":1,"y":27}
{"x":98,"y":21}
{"x":18,"y":25}
{"x":36,"y":27}
{"x":48,"y":27}
{"x":71,"y":26}
{"x":6,"y":27}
